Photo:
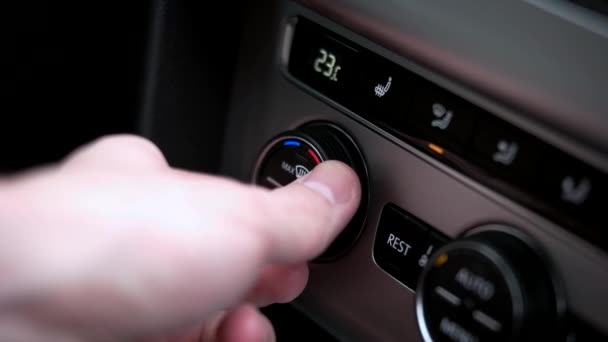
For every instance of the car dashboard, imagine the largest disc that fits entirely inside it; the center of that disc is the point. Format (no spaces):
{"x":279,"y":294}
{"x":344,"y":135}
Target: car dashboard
{"x":483,"y":135}
{"x":478,"y":129}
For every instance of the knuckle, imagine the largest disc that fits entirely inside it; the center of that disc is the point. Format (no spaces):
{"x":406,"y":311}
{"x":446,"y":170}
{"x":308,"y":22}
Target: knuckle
{"x":132,"y":144}
{"x":120,"y":148}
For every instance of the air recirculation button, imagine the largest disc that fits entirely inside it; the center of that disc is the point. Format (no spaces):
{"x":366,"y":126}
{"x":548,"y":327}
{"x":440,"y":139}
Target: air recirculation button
{"x":293,"y":154}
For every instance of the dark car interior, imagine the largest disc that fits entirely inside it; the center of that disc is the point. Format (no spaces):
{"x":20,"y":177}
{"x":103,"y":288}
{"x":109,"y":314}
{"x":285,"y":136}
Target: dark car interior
{"x":479,"y":130}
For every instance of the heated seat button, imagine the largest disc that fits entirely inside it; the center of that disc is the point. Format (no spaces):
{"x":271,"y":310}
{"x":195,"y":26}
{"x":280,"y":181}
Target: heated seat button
{"x":442,"y":117}
{"x":384,"y":92}
{"x":403,"y":245}
{"x":506,"y":151}
{"x":573,"y":187}
{"x":568,"y":182}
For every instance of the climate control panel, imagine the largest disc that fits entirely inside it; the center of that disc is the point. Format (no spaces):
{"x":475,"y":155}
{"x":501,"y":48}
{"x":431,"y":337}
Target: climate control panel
{"x":447,"y":127}
{"x":476,"y":224}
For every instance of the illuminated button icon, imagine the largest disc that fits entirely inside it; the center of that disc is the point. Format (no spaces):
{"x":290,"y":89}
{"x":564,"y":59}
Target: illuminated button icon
{"x":506,"y":152}
{"x":381,"y":89}
{"x":575,"y":192}
{"x":301,"y":171}
{"x":443,"y":116}
{"x":441,"y":260}
{"x":424,"y":258}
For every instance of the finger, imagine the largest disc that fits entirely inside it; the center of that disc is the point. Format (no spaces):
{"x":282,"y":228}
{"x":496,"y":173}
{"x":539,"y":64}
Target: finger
{"x":279,"y":284}
{"x":117,"y":150}
{"x":294,"y":223}
{"x":303,"y":218}
{"x":256,"y":228}
{"x":196,"y":332}
{"x":245,"y":324}
{"x":154,"y":252}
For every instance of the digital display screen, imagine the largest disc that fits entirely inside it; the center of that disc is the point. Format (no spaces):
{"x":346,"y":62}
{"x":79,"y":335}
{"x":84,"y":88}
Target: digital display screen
{"x":323,"y":61}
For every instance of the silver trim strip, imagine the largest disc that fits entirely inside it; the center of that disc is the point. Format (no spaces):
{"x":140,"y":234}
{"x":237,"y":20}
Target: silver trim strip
{"x":448,"y":296}
{"x":487,"y":321}
{"x":273,"y":182}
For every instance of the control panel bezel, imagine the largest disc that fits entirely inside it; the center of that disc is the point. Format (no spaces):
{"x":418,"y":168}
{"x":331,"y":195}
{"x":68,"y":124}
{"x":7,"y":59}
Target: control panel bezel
{"x":533,"y":182}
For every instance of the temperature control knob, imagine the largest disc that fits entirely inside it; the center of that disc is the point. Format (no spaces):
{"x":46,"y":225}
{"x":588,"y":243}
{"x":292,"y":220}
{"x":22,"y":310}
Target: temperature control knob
{"x":488,"y":286}
{"x":293,"y":154}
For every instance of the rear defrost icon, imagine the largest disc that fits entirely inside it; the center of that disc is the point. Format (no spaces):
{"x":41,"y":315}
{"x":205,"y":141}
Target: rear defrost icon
{"x":301,"y":171}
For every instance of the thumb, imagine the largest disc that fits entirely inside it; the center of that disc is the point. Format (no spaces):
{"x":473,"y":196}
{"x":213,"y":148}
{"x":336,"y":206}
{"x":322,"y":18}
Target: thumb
{"x":303,"y":218}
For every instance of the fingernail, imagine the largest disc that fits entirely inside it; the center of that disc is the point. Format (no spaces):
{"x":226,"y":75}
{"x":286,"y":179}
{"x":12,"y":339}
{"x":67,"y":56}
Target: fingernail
{"x":335,"y":181}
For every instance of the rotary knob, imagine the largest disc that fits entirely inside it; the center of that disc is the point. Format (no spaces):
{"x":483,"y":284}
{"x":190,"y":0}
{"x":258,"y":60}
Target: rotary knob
{"x":292,"y":154}
{"x":488,"y":286}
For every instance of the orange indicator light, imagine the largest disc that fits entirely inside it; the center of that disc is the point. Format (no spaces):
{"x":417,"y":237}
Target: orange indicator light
{"x":436,"y":148}
{"x":442,"y":259}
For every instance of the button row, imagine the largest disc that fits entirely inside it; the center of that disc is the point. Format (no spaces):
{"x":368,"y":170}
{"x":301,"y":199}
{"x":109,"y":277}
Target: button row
{"x":440,"y":122}
{"x":404,"y":244}
{"x":450,"y":128}
{"x":428,"y":113}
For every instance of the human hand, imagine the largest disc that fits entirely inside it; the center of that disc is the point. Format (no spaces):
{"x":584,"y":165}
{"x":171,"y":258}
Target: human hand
{"x":112,"y":244}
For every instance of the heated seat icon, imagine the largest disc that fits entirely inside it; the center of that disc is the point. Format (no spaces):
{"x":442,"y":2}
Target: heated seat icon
{"x":382,"y":89}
